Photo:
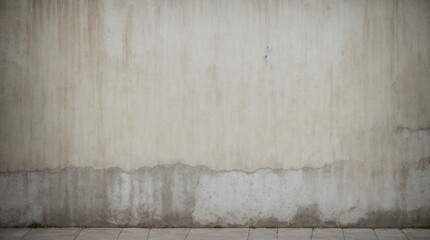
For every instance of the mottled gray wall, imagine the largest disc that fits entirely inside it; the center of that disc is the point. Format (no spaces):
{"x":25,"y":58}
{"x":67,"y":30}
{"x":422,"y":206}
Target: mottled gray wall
{"x":215,"y":113}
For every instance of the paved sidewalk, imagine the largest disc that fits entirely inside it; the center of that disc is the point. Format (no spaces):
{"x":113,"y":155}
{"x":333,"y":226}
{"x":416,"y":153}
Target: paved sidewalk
{"x":212,"y":234}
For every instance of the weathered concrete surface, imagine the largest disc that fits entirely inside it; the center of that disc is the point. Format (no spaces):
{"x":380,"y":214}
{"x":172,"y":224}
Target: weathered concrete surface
{"x":217,"y":234}
{"x":341,"y":194}
{"x":99,"y":233}
{"x":13,"y":233}
{"x":168,"y":234}
{"x":359,"y":234}
{"x":214,"y":234}
{"x":294,"y":233}
{"x":52,"y":234}
{"x":134,"y":234}
{"x":263,"y":234}
{"x":215,"y":113}
{"x":327,"y":234}
{"x":417,"y":234}
{"x":390,"y":234}
{"x":144,"y":83}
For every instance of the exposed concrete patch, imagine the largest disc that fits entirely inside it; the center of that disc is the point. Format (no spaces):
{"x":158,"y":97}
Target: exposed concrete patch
{"x":341,"y":194}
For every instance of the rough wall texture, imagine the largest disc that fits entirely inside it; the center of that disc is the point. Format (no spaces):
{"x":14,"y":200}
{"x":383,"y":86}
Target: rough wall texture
{"x":215,"y":113}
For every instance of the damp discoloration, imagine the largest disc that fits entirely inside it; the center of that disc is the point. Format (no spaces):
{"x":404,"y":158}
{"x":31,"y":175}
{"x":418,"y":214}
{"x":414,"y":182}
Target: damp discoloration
{"x":341,"y":194}
{"x":214,"y":113}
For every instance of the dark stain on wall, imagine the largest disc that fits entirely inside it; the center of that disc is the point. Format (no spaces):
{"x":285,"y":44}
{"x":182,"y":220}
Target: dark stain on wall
{"x":179,"y":196}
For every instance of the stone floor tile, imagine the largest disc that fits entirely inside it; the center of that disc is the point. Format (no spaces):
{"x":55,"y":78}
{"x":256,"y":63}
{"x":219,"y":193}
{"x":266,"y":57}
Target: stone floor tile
{"x":52,"y":234}
{"x":168,"y":233}
{"x":99,"y":234}
{"x":212,"y":234}
{"x":390,"y":234}
{"x":294,"y":233}
{"x":218,"y":234}
{"x":134,"y":234}
{"x":327,"y":234}
{"x":13,"y":233}
{"x":359,"y":234}
{"x":262,"y":234}
{"x":417,"y":234}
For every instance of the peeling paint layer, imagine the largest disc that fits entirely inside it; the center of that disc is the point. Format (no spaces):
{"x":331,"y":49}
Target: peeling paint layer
{"x":342,"y":194}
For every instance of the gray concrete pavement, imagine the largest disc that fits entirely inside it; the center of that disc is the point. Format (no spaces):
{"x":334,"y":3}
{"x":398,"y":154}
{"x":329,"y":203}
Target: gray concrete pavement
{"x":327,"y":234}
{"x":168,"y":233}
{"x":417,"y":234}
{"x":134,"y":233}
{"x":390,"y":234}
{"x":263,"y":234}
{"x":52,"y":234}
{"x":99,"y":234}
{"x":218,"y":233}
{"x":359,"y":234}
{"x":294,"y":233}
{"x":13,"y":233}
{"x":212,"y":234}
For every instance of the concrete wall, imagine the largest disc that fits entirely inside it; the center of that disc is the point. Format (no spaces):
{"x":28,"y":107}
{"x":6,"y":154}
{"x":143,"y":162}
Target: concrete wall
{"x":215,"y":113}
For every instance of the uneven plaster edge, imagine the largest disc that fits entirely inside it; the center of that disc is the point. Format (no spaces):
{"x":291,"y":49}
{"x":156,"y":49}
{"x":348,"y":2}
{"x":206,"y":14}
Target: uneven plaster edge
{"x":368,"y":217}
{"x":176,"y":164}
{"x":420,"y":162}
{"x":400,"y":129}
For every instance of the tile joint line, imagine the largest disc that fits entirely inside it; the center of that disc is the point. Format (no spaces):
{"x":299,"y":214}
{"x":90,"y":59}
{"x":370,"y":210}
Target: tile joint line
{"x":404,"y":234}
{"x":373,"y":230}
{"x":187,"y":234}
{"x":147,"y":236}
{"x":119,"y":233}
{"x":343,"y":233}
{"x":78,"y":233}
{"x":312,"y":233}
{"x":247,"y":237}
{"x":26,"y":233}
